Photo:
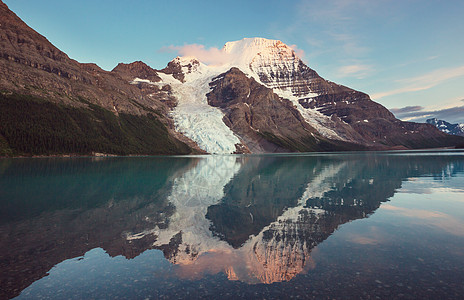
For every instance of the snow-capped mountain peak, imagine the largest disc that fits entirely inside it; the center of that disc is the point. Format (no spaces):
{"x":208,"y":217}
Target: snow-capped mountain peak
{"x":244,"y":52}
{"x":256,"y":43}
{"x":185,"y":60}
{"x":251,"y":55}
{"x":263,"y":59}
{"x":268,"y":61}
{"x":446,"y":127}
{"x":189,"y":64}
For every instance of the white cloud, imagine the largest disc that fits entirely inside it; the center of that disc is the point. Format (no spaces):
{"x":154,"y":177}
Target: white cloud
{"x":349,"y":44}
{"x":407,"y":109}
{"x":423,"y":82}
{"x":407,"y":89}
{"x":435,"y":77}
{"x":335,"y":11}
{"x":209,"y":56}
{"x":336,"y":22}
{"x":212,"y":55}
{"x":357,"y":70}
{"x":420,"y":114}
{"x":299,"y":52}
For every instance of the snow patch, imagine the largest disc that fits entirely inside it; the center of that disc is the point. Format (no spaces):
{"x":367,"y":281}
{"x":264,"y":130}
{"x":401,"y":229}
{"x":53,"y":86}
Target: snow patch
{"x":316,"y":119}
{"x":138,"y":80}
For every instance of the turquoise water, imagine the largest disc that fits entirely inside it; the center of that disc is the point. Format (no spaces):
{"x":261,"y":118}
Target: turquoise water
{"x":351,"y":225}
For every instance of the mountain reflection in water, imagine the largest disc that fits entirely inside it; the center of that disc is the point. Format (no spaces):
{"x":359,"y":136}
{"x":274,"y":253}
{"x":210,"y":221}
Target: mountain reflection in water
{"x":254,"y":218}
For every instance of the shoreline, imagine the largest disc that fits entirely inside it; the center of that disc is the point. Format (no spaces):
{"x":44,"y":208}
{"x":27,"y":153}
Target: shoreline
{"x":107,"y":155}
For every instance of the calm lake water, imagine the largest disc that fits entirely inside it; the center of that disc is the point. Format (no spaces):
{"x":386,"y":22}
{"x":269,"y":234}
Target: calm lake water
{"x":352,"y":225}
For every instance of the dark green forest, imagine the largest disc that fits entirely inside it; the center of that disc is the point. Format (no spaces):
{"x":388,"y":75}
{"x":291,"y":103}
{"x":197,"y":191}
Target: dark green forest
{"x":34,"y":126}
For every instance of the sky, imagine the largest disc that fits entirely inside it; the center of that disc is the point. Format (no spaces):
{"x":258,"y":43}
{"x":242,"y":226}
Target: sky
{"x":408,"y":55}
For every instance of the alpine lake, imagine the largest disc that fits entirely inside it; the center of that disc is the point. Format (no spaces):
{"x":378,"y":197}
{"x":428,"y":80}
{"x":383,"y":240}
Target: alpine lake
{"x":360,"y":225}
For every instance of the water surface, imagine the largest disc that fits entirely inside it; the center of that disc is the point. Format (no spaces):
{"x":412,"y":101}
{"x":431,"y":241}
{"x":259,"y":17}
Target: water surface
{"x":352,"y":225}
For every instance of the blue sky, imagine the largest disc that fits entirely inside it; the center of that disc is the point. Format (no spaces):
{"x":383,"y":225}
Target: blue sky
{"x":408,"y":55}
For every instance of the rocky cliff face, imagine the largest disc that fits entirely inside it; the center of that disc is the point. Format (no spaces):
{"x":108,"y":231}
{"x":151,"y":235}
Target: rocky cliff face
{"x":263,"y":120}
{"x":141,"y":75}
{"x":278,"y":66}
{"x":136,"y":69}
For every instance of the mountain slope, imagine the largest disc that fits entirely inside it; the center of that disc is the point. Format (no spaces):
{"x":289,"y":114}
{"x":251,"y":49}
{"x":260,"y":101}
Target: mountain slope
{"x":52,"y":104}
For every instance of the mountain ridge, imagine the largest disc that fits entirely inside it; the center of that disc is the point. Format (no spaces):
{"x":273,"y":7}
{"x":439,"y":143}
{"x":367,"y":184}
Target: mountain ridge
{"x":446,"y":127}
{"x":53,"y":105}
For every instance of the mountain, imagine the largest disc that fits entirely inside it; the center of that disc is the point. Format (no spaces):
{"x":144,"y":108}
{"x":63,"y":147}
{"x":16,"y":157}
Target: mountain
{"x":261,"y":98}
{"x":271,"y":101}
{"x":51,"y":104}
{"x":455,"y":129}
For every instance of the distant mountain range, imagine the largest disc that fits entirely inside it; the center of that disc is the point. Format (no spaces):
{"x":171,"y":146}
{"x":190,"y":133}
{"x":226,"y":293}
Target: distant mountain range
{"x":262,"y":98}
{"x":456,"y":129}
